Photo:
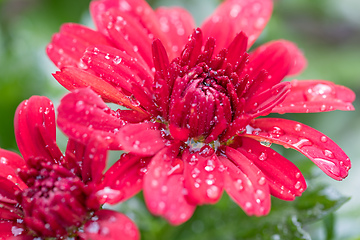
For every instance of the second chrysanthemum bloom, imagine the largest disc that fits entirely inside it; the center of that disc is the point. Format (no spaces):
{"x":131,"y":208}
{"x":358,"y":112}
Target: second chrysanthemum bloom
{"x":191,"y":129}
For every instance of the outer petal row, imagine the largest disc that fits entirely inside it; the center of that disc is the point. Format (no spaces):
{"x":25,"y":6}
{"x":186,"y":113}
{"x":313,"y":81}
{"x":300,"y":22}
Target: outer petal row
{"x":325,"y":153}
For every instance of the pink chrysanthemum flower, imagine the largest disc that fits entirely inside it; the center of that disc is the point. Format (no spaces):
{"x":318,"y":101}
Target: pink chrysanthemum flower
{"x":46,"y":195}
{"x":192,"y":128}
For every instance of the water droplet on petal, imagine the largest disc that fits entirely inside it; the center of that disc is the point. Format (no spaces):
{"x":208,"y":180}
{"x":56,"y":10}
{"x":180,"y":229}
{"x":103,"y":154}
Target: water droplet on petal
{"x":212,"y":192}
{"x":323,"y":139}
{"x":263,"y":156}
{"x":265,"y":143}
{"x":298,"y":175}
{"x":328,"y":153}
{"x":298,"y":127}
{"x":262,"y":181}
{"x":297,"y":185}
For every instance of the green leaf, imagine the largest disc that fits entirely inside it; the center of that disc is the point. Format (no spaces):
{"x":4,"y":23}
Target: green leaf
{"x":225,"y":220}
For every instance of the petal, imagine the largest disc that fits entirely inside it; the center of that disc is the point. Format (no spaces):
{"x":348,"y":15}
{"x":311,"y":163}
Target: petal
{"x":163,"y":189}
{"x":263,"y":103}
{"x":83,"y":115}
{"x":298,"y":59}
{"x":139,"y":10}
{"x":10,"y":231}
{"x":316,"y":96}
{"x":110,"y":225}
{"x":8,"y":190}
{"x":117,"y":68}
{"x":94,"y":160}
{"x":35,"y":129}
{"x":128,"y":35}
{"x":284,"y":178}
{"x":11,"y":159}
{"x":203,"y":176}
{"x":144,"y":139}
{"x":124,"y":179}
{"x":178,"y":24}
{"x":274,"y":58}
{"x":72,"y":78}
{"x":245,"y":183}
{"x":234,"y":16}
{"x":68,"y":46}
{"x":325,"y":153}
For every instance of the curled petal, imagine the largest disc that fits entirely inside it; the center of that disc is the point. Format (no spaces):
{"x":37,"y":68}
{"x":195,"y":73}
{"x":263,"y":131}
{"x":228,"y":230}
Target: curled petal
{"x":163,"y":188}
{"x":124,"y":179}
{"x":274,"y":58}
{"x":234,"y":16}
{"x":83,"y":115}
{"x":245,"y":183}
{"x":203,"y":176}
{"x":110,"y":225}
{"x":139,"y":10}
{"x":72,"y":78}
{"x":316,"y":96}
{"x":325,"y":153}
{"x":284,"y":178}
{"x":177,"y":24}
{"x":35,"y":129}
{"x":143,"y":138}
{"x":128,"y":35}
{"x":68,"y":46}
{"x":117,"y":67}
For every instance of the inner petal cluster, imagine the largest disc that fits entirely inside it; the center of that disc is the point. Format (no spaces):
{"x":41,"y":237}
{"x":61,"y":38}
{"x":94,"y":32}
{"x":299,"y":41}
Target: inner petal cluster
{"x":56,"y":203}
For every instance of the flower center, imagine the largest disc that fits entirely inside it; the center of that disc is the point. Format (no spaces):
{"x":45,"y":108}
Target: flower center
{"x":56,"y":203}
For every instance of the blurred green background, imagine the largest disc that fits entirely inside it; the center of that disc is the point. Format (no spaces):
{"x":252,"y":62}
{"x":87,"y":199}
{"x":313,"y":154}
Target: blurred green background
{"x":328,"y":31}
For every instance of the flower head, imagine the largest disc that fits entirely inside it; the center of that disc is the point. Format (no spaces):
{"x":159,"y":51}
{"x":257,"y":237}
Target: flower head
{"x":46,"y":195}
{"x":192,"y":128}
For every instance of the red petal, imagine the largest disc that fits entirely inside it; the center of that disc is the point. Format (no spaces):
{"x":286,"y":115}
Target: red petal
{"x":117,"y":67}
{"x":245,"y":183}
{"x":35,"y":129}
{"x":83,"y":115}
{"x":10,"y":165}
{"x":110,"y":225}
{"x":128,"y":35}
{"x":139,"y":10}
{"x":10,"y":231}
{"x":203,"y":176}
{"x":8,"y":188}
{"x":72,"y":78}
{"x":298,"y":59}
{"x":274,"y":58}
{"x":234,"y":16}
{"x":263,"y":103}
{"x":325,"y":153}
{"x":163,"y":189}
{"x":284,"y":178}
{"x":124,"y":179}
{"x":177,"y":24}
{"x":68,"y":46}
{"x":316,"y":96}
{"x":144,"y":139}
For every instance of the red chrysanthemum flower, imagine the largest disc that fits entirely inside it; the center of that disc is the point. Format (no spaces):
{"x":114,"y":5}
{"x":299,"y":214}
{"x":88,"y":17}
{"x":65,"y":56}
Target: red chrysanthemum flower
{"x":46,"y":195}
{"x":191,"y":126}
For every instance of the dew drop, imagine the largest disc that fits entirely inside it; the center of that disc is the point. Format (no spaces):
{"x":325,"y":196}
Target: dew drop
{"x":297,"y":185}
{"x":298,"y":127}
{"x":263,"y":156}
{"x":248,"y":205}
{"x":265,"y":143}
{"x":323,"y":139}
{"x":212,"y":192}
{"x":262,"y":181}
{"x":3,"y":160}
{"x":298,"y":175}
{"x":328,"y":153}
{"x":238,"y":185}
{"x":117,"y":60}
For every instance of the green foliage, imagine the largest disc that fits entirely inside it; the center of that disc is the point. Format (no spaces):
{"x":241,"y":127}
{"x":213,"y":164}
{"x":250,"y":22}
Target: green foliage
{"x":226,"y":220}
